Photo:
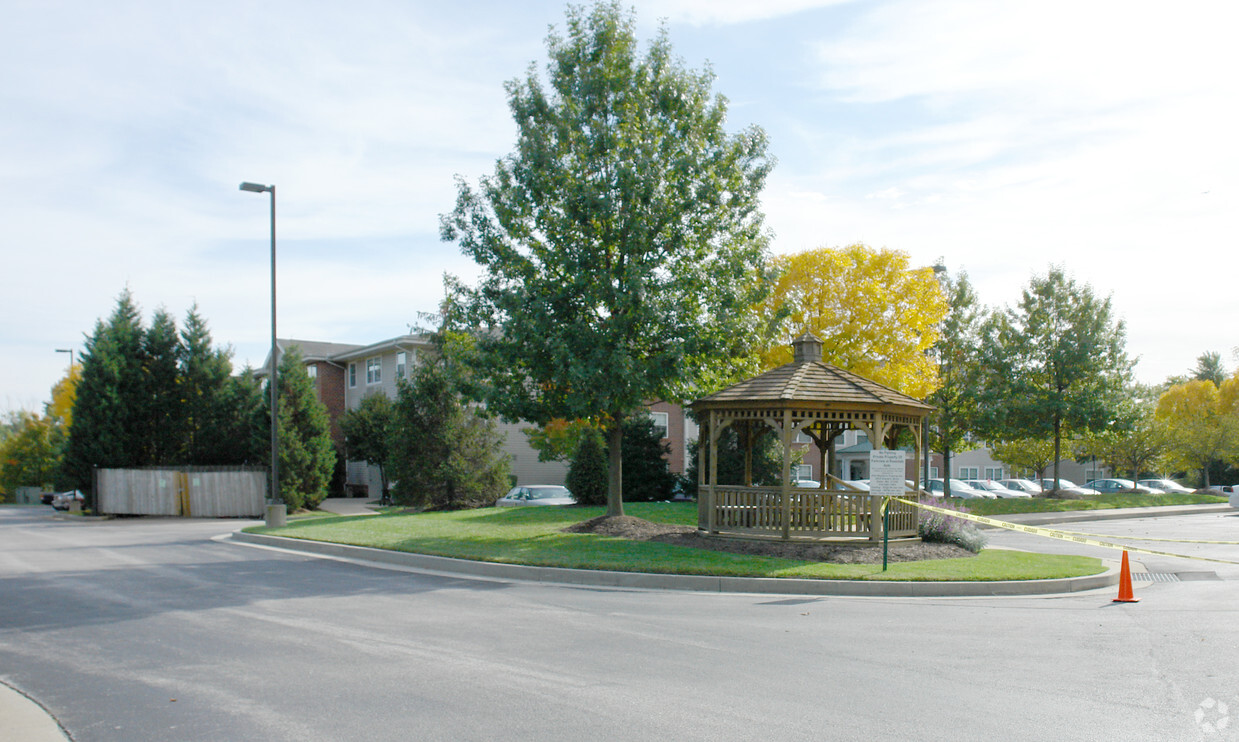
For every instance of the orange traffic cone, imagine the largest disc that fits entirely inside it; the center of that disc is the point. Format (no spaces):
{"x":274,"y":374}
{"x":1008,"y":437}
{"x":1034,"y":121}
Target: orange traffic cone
{"x":1125,"y":594}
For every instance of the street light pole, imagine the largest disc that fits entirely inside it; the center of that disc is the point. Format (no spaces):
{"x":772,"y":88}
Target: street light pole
{"x":276,"y":510}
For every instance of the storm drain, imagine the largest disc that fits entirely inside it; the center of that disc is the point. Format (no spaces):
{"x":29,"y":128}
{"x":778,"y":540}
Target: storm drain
{"x":1154,"y":577}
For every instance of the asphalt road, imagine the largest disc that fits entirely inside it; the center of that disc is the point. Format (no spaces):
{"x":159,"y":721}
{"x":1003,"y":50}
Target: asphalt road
{"x":149,"y":630}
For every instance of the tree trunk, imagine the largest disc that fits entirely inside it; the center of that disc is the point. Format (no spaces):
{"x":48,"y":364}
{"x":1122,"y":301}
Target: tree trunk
{"x":1058,"y":443}
{"x":946,"y":472}
{"x":615,"y":467}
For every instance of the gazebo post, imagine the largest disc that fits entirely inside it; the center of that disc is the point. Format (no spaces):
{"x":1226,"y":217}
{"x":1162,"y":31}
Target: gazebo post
{"x":711,"y":521}
{"x":787,"y":473}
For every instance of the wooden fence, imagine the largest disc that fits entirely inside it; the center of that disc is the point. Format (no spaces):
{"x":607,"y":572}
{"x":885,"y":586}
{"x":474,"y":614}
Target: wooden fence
{"x":198,"y":492}
{"x":808,"y":513}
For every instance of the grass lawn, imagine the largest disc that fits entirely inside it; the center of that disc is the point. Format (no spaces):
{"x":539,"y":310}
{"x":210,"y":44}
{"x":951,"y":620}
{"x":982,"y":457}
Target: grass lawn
{"x":533,"y":535}
{"x":1100,"y":502}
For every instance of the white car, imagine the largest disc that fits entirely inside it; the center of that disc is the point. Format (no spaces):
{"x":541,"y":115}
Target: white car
{"x":1026,"y":486}
{"x":1169,"y":486}
{"x":997,"y":489}
{"x":958,"y":489}
{"x":1234,"y":498}
{"x":1068,"y":486}
{"x":536,"y":494}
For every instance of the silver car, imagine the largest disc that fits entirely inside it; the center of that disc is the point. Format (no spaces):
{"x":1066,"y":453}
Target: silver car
{"x":996,"y":489}
{"x":958,"y":489}
{"x":536,"y":494}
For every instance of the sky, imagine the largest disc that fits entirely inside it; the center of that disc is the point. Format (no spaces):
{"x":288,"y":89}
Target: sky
{"x":998,"y":138}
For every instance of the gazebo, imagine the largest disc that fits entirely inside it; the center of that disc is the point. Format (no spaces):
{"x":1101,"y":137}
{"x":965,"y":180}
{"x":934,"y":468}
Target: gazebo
{"x":821,"y":401}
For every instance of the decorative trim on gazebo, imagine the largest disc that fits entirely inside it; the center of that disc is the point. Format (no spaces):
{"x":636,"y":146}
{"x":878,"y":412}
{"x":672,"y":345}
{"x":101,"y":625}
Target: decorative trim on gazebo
{"x":820,"y":400}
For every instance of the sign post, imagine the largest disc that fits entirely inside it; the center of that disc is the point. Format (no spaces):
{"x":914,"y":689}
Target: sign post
{"x":886,"y":480}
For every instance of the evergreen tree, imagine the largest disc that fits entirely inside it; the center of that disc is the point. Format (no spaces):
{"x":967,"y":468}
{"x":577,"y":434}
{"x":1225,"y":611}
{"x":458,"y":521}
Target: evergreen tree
{"x":444,"y":455}
{"x":162,"y":432}
{"x":647,"y":476}
{"x":307,"y":456}
{"x":587,"y":475}
{"x":208,"y":435}
{"x":241,"y":432}
{"x":108,"y":411}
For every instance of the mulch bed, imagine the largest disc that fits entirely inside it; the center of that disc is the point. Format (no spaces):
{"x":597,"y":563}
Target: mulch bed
{"x":638,"y":529}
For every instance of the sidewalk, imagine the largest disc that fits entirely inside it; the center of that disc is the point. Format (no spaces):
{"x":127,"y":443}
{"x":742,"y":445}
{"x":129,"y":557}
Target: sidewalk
{"x":23,"y":720}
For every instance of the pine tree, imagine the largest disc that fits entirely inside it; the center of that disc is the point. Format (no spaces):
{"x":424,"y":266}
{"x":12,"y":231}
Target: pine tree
{"x":162,"y":433}
{"x":307,"y":456}
{"x":444,"y":454}
{"x":108,"y":409}
{"x":587,"y":475}
{"x":647,"y":476}
{"x":208,"y":438}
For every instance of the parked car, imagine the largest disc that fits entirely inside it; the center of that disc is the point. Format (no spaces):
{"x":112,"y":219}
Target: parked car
{"x":1168,"y":486}
{"x":808,"y":484}
{"x":958,"y":489}
{"x":1026,"y":486}
{"x":1067,"y":486}
{"x":47,"y":497}
{"x":996,"y":489}
{"x":61,"y":500}
{"x":536,"y":494}
{"x":1234,"y":497}
{"x":1114,"y":486}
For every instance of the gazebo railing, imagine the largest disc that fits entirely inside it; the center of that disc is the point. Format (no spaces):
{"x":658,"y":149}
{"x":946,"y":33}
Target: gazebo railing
{"x":810,"y":513}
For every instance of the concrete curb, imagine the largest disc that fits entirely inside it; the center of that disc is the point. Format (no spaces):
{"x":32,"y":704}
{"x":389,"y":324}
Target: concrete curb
{"x":700,"y":583}
{"x":21,"y":718}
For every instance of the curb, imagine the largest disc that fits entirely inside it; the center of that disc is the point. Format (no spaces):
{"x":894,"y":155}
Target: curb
{"x":22,"y":718}
{"x":697,"y":583}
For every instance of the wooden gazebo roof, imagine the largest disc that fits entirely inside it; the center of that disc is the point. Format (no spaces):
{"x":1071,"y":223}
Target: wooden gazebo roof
{"x":808,"y":379}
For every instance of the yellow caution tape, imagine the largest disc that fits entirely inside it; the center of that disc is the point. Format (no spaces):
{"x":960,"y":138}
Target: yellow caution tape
{"x":1051,"y":533}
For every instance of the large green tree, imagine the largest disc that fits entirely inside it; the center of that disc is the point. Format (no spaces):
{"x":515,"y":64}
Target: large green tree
{"x":952,"y":424}
{"x":1053,"y":365}
{"x":29,"y":454}
{"x":621,"y":243}
{"x":307,"y":456}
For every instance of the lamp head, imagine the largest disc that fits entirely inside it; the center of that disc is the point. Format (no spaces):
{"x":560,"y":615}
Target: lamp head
{"x":256,"y":188}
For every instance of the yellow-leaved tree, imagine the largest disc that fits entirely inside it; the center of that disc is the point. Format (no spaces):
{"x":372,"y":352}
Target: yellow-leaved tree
{"x":1203,"y":422}
{"x":875,"y":315}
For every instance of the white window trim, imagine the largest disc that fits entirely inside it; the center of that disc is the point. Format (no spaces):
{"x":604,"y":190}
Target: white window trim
{"x":374,"y":370}
{"x":662,"y":420}
{"x":352,"y":375}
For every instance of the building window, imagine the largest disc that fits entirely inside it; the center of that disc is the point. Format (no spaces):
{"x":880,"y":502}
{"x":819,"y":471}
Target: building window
{"x":402,"y":365}
{"x":660,"y":423}
{"x":933,"y":472}
{"x":802,"y":471}
{"x":312,"y":372}
{"x":352,"y":375}
{"x":969,"y":472}
{"x":993,"y":472}
{"x":803,"y":437}
{"x":374,"y":370}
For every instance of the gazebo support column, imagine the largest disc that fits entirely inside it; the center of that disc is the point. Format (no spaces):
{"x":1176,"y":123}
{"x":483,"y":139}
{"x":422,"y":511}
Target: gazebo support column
{"x":787,"y":474}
